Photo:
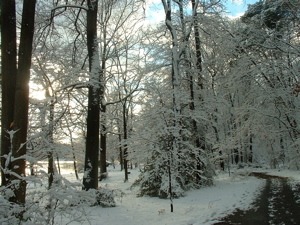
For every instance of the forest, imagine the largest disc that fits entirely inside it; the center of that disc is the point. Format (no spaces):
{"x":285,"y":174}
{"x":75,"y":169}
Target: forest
{"x":93,"y":84}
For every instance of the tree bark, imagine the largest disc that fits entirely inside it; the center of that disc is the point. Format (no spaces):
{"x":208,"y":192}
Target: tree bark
{"x":9,"y":75}
{"x":20,"y":123}
{"x":125,"y":116}
{"x":120,"y":148}
{"x":103,"y":136}
{"x":103,"y":169}
{"x":197,"y":44}
{"x":90,"y":179}
{"x":200,"y":140}
{"x":51,"y":142}
{"x":173,"y":151}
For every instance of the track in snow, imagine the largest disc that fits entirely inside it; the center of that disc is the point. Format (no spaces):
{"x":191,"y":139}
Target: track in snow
{"x":278,"y":204}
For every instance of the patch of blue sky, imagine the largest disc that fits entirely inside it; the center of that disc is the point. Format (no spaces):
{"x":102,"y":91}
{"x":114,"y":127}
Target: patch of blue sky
{"x":154,"y":11}
{"x":236,"y":8}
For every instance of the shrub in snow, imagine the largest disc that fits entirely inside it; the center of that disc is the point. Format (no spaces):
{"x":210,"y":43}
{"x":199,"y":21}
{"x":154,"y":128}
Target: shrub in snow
{"x":105,"y":198}
{"x":63,"y":203}
{"x":103,"y":176}
{"x":9,"y":212}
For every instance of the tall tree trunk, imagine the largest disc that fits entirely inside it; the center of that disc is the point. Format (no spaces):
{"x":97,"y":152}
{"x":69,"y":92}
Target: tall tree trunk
{"x":191,"y":79}
{"x":200,"y":139}
{"x":22,"y":100}
{"x":50,"y":140}
{"x":103,"y":169}
{"x":75,"y":163}
{"x":103,"y":136}
{"x":120,"y":148}
{"x":58,"y":165}
{"x":90,"y":179}
{"x":173,"y":151}
{"x":197,"y":43}
{"x":125,"y":116}
{"x":9,"y":75}
{"x":250,"y":155}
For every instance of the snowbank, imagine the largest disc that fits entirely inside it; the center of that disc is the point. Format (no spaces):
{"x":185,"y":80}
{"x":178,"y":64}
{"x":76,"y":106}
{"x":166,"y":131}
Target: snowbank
{"x":203,"y":206}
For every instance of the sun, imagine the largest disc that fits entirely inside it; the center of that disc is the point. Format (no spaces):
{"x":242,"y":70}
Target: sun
{"x":36,"y":91}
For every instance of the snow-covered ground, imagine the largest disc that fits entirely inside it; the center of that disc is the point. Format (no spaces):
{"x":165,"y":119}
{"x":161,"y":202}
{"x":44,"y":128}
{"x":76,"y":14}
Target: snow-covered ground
{"x":202,"y":206}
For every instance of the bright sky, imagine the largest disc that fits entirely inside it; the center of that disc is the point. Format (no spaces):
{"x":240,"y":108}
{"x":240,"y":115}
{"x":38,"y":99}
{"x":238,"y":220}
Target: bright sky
{"x":235,"y":8}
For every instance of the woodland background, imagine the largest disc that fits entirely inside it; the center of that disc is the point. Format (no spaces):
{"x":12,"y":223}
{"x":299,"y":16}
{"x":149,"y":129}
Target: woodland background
{"x":96,"y":81}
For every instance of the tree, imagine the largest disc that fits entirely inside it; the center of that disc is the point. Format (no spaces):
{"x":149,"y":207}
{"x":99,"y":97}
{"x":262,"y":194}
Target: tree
{"x":15,"y":156}
{"x":95,"y":87}
{"x":20,"y":122}
{"x":276,"y":23}
{"x":177,"y":146}
{"x":113,"y":41}
{"x":257,"y":98}
{"x":8,"y":84}
{"x":106,"y":47}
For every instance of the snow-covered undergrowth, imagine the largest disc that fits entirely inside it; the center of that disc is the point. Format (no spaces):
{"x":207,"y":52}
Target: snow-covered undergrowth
{"x":63,"y":203}
{"x":66,"y":203}
{"x":202,"y":206}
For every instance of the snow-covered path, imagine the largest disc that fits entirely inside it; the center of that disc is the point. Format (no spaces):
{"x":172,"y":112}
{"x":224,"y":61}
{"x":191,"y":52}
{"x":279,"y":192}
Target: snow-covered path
{"x":278,"y":203}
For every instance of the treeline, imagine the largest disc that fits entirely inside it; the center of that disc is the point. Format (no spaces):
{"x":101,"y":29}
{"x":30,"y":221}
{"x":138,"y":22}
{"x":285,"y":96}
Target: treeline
{"x":188,"y":96}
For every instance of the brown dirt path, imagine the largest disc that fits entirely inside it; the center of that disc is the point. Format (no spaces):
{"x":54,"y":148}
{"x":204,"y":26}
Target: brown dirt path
{"x":278,"y":204}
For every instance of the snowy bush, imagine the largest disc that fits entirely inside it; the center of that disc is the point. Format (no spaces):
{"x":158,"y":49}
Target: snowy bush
{"x":105,"y":198}
{"x":64,"y":201}
{"x":9,"y":211}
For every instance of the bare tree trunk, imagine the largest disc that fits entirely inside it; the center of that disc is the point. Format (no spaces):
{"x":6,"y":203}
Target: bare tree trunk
{"x":22,"y":100}
{"x":75,"y":164}
{"x":103,"y":169}
{"x":50,"y":140}
{"x":176,"y":90}
{"x":103,"y":136}
{"x":120,"y":149}
{"x":125,"y":116}
{"x":250,"y":155}
{"x":191,"y":79}
{"x":90,"y":179}
{"x":200,"y":140}
{"x":197,"y":43}
{"x":9,"y":74}
{"x":58,"y":164}
{"x":170,"y":182}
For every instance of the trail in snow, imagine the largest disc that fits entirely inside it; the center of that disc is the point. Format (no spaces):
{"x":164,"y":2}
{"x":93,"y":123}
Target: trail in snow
{"x":278,"y":204}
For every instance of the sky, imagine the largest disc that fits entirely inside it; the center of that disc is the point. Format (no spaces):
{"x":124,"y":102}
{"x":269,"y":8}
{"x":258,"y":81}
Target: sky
{"x":235,"y":8}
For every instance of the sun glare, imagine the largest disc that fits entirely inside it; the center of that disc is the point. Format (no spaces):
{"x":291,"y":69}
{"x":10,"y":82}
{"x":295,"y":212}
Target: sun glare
{"x":36,"y":91}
